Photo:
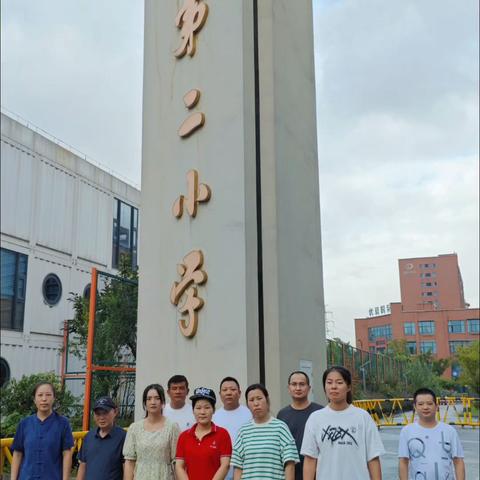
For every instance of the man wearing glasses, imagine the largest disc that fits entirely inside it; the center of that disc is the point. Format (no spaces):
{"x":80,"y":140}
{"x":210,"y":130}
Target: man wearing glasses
{"x":296,"y":414}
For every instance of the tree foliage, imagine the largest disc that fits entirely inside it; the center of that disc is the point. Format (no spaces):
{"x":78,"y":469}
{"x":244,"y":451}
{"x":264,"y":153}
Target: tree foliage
{"x":468,"y":358}
{"x":115,"y":338}
{"x":421,"y":370}
{"x":398,"y":348}
{"x":115,"y":322}
{"x":17,"y":401}
{"x":420,"y":374}
{"x":438,"y":365}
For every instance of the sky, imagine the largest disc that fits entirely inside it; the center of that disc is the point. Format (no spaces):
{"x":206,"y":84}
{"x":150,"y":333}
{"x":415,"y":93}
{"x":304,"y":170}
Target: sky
{"x":397,"y":118}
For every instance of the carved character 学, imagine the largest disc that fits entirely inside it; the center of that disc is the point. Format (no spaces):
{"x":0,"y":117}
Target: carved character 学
{"x":192,"y":274}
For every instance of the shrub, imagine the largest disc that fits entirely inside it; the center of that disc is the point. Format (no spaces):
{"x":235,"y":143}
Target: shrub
{"x":17,"y":402}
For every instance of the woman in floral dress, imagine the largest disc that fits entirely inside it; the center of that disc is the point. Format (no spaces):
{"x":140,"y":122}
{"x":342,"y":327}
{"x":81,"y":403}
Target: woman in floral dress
{"x":151,"y":443}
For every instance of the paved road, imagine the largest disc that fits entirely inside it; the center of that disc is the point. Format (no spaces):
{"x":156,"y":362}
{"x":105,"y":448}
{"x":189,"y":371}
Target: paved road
{"x":469,"y":437}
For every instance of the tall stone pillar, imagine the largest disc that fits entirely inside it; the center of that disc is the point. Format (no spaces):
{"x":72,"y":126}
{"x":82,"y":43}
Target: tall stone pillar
{"x":230,"y":202}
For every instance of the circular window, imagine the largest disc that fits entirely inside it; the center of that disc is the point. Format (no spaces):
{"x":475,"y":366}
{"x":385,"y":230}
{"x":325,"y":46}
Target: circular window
{"x":4,"y":372}
{"x":52,"y":289}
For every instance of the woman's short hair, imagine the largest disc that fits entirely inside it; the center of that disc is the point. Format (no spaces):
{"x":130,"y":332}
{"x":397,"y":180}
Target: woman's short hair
{"x":40,"y":384}
{"x":257,"y":386}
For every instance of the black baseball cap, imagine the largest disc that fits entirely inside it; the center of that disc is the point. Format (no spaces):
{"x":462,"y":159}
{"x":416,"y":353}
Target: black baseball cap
{"x":203,"y":393}
{"x":104,"y":403}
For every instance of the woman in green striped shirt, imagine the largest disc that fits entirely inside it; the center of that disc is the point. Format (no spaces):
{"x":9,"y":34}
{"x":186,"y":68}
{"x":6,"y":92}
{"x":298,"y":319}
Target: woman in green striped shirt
{"x":264,"y":447}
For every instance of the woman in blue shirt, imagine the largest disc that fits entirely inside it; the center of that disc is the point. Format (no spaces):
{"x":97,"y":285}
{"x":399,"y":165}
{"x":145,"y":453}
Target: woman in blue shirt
{"x":42,"y":447}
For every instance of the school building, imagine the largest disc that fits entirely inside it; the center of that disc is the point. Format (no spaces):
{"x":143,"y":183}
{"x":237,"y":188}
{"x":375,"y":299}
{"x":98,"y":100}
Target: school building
{"x":432,"y":315}
{"x":60,"y":216}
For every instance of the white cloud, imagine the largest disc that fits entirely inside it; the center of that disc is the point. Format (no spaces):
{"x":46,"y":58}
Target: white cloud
{"x":398,"y":122}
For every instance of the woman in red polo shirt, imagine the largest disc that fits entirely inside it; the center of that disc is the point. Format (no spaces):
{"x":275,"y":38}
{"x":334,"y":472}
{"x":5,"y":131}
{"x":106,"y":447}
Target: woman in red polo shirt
{"x":203,"y":451}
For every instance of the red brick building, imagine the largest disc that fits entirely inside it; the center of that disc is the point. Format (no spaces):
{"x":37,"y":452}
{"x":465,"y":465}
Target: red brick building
{"x":432,"y":315}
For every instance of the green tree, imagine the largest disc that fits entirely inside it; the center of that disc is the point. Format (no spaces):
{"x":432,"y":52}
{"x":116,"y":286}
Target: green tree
{"x":420,"y":374}
{"x":16,"y":401}
{"x":468,"y":358}
{"x":438,"y":365}
{"x":398,"y":348}
{"x":422,"y":370}
{"x":115,"y":326}
{"x":116,"y":318}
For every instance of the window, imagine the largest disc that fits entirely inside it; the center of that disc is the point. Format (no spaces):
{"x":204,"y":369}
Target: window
{"x":52,"y":289}
{"x":4,"y":372}
{"x":426,"y":327}
{"x":125,"y":227}
{"x":409,"y":328}
{"x":412,"y":347}
{"x":428,"y":265}
{"x":456,"y":344}
{"x":13,"y":289}
{"x":426,"y":347}
{"x":428,"y":275}
{"x":383,"y":331}
{"x":456,"y":326}
{"x":427,"y":294}
{"x":473,"y":325}
{"x":429,"y":284}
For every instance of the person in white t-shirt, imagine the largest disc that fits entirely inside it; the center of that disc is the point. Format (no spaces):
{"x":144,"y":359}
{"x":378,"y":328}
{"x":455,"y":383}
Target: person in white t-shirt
{"x":341,"y":440}
{"x":233,"y":415}
{"x":178,"y":410}
{"x":428,"y":449}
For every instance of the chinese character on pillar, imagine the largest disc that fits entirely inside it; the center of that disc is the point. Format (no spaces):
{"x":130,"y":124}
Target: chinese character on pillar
{"x":191,"y":275}
{"x":190,"y":20}
{"x":196,"y":193}
{"x":196,"y":120}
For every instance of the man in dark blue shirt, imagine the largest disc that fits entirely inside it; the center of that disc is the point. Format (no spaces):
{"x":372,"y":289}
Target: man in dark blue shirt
{"x":296,"y":414}
{"x":101,"y":453}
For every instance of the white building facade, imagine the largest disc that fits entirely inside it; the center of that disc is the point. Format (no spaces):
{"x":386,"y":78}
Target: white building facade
{"x":60,"y":216}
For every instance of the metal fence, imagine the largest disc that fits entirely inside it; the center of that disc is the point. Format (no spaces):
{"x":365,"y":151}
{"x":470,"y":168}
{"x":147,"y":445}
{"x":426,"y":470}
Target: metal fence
{"x":391,"y":412}
{"x":369,"y":370}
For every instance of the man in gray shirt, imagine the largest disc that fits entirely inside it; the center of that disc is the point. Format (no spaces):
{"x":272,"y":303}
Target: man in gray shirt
{"x":296,"y":414}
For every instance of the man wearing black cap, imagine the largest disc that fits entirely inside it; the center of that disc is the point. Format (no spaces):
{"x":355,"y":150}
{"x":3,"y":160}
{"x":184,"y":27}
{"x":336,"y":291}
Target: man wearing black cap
{"x":101,"y":453}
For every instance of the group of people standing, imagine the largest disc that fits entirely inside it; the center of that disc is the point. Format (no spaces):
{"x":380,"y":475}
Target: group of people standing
{"x":194,"y":441}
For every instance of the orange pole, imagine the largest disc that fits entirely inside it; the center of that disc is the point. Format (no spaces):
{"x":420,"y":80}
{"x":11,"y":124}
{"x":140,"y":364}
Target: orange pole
{"x":90,"y":337}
